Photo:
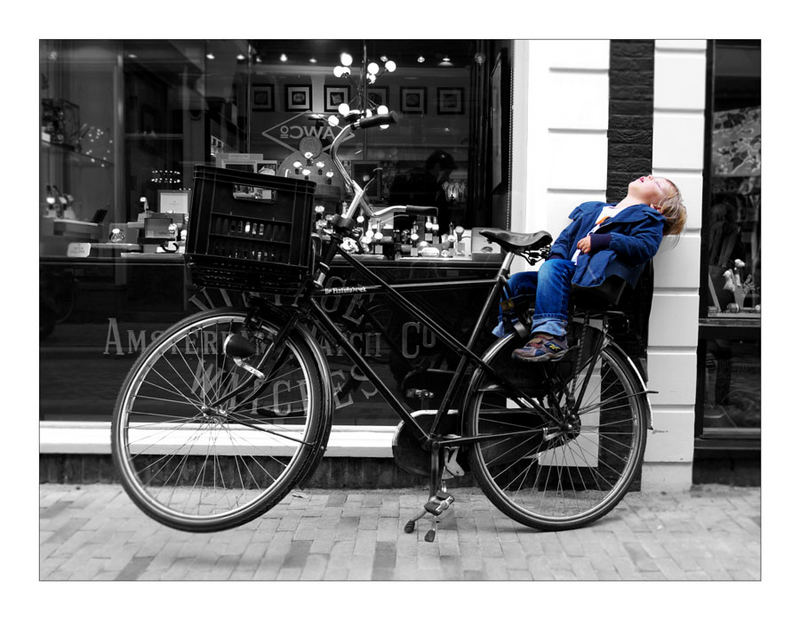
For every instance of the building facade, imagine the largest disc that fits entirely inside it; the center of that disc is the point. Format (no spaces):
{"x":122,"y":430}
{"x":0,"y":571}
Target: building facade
{"x":533,"y":127}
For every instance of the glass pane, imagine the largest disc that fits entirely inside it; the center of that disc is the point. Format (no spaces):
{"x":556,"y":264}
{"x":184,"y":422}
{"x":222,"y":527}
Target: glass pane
{"x":732,"y":385}
{"x":425,"y":158}
{"x":733,"y":231}
{"x":76,"y":144}
{"x":125,"y":122}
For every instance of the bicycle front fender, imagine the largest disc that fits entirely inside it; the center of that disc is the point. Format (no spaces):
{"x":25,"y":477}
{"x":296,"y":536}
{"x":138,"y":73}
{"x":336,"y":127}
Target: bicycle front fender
{"x":328,"y":404}
{"x":303,"y":334}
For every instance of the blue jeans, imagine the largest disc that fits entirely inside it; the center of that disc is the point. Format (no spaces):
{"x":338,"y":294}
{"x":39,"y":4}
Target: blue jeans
{"x":550,"y":287}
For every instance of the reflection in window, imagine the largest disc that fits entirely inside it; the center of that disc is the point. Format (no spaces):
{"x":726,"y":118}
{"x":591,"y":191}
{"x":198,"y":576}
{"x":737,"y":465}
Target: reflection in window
{"x":729,"y":352}
{"x":733,"y":384}
{"x":734,"y":223}
{"x":733,"y":227}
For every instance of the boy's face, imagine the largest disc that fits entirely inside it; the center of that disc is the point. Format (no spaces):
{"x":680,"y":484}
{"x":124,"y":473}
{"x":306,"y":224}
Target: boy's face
{"x":650,"y":190}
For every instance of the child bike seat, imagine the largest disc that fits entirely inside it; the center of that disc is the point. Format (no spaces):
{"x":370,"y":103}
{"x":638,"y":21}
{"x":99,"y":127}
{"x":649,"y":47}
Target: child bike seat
{"x":598,"y":298}
{"x":515,"y":242}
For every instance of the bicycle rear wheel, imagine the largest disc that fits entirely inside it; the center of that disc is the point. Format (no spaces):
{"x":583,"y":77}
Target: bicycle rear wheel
{"x":556,"y":471}
{"x":199,"y":468}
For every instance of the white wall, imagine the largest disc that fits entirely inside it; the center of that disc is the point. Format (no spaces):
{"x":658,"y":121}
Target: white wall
{"x":560,"y":125}
{"x":678,"y":132}
{"x":560,"y":146}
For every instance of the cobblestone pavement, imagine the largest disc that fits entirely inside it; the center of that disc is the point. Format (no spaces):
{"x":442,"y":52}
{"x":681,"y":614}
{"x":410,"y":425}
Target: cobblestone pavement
{"x":94,"y":532}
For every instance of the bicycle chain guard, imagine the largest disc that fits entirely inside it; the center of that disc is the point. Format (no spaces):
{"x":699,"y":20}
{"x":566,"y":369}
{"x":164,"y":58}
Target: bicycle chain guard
{"x":412,"y":458}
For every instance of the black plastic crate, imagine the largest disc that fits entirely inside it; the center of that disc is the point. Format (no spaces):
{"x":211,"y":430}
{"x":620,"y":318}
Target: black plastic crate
{"x":249,"y":231}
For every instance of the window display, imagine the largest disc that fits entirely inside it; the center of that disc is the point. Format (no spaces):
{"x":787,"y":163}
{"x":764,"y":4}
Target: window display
{"x":125,"y":123}
{"x":733,"y":235}
{"x":729,"y":350}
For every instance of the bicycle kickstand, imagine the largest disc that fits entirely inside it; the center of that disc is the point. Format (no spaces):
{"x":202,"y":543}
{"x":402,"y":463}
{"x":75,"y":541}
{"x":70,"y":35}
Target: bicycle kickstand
{"x":437,"y":504}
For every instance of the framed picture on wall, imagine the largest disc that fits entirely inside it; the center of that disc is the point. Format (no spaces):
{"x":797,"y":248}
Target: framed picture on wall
{"x":378,"y":96}
{"x":298,"y":97}
{"x":264,"y":97}
{"x":336,"y":96}
{"x":450,"y":100}
{"x":412,"y":100}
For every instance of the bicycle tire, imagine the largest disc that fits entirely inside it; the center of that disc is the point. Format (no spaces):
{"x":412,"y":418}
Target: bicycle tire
{"x":592,"y":468}
{"x":272,"y":439}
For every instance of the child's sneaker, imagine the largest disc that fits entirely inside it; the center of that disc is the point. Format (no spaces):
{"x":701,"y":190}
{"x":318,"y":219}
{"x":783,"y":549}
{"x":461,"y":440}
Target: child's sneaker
{"x":542,"y":348}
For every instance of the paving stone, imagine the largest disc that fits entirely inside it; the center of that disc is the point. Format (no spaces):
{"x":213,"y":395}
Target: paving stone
{"x":314,"y":567}
{"x":135,"y":568}
{"x":335,"y":573}
{"x":385,"y":555}
{"x":289,"y":574}
{"x":96,"y":533}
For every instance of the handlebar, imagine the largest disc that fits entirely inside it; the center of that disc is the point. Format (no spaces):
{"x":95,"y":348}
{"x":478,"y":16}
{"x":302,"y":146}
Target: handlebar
{"x":414,"y":210}
{"x":376,"y":119}
{"x":409,"y":209}
{"x":359,"y":198}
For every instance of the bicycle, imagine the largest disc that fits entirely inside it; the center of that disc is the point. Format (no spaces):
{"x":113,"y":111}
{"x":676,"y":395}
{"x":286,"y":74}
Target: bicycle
{"x":230,"y":409}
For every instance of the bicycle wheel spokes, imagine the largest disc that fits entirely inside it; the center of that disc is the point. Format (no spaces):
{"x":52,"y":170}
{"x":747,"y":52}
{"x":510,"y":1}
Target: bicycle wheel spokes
{"x":190,"y":462}
{"x":569,"y":473}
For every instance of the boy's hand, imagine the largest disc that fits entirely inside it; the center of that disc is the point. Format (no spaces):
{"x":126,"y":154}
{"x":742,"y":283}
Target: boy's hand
{"x":585,"y":244}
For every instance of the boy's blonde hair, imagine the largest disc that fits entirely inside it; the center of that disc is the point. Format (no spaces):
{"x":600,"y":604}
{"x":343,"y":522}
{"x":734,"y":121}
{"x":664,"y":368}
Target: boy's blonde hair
{"x":673,"y":210}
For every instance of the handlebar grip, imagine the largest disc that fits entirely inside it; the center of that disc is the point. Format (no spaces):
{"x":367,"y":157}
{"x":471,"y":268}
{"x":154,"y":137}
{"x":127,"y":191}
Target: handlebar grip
{"x":376,"y":119}
{"x":413,"y":210}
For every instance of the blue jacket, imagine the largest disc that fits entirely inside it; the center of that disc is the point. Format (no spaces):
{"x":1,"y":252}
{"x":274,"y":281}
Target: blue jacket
{"x":636,"y":234}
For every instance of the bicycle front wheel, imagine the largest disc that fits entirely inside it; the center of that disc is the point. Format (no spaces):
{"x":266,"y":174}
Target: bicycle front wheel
{"x":548,"y":461}
{"x":204,"y":468}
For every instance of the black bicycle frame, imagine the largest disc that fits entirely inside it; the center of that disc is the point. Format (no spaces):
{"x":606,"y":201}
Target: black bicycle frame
{"x":313,"y":290}
{"x":466,"y":352}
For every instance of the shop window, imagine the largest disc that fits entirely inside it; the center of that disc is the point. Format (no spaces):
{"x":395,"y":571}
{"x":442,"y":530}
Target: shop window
{"x":433,"y":156}
{"x":729,"y":352}
{"x":124,"y":122}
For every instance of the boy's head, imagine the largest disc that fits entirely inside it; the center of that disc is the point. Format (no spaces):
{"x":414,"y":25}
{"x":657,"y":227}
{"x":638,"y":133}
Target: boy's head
{"x":663,"y":195}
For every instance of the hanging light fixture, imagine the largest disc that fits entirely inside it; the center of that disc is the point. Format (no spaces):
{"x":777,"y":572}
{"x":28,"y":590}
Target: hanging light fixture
{"x":370,"y":73}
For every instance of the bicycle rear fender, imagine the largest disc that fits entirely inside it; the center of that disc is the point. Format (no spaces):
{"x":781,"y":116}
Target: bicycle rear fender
{"x":487,"y":355}
{"x":639,"y":387}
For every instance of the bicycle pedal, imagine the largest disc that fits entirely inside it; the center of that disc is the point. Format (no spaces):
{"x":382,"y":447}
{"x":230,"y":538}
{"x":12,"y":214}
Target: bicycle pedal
{"x":442,"y":502}
{"x":452,"y":469}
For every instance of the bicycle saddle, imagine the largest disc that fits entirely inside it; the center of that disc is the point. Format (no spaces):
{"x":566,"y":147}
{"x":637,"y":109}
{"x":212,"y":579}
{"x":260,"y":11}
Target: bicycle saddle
{"x":514,"y":242}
